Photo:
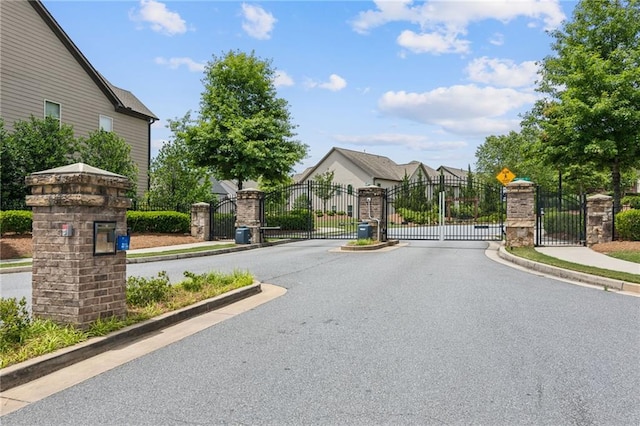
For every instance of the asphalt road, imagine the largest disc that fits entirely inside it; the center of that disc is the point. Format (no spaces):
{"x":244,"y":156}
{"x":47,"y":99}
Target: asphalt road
{"x":432,"y":333}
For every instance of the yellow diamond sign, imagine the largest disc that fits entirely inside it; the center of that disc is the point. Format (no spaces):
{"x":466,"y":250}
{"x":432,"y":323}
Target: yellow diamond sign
{"x":505,"y":176}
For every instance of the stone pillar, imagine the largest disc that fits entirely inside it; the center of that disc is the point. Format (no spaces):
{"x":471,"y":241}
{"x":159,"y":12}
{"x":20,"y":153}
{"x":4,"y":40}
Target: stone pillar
{"x":248,"y":212}
{"x":372,"y":209}
{"x":521,"y":214}
{"x":201,"y":221}
{"x":599,"y":219}
{"x":77,"y":279}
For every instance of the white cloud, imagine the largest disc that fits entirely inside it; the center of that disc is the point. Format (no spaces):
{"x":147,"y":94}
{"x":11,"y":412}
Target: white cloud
{"x":502,"y":72}
{"x":441,"y":24}
{"x":175,"y":63}
{"x":415,"y":142}
{"x":160,"y":18}
{"x":335,"y":83}
{"x":258,"y":23}
{"x":497,"y":39}
{"x":432,"y":43}
{"x":459,"y":109}
{"x":282,"y":79}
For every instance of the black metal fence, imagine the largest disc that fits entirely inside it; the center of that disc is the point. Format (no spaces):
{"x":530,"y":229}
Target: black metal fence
{"x":311,"y":210}
{"x":446,"y":208}
{"x":560,"y":218}
{"x":223,"y":219}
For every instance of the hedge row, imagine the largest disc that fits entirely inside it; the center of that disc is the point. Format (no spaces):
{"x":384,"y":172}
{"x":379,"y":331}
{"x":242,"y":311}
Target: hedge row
{"x":161,"y":222}
{"x":296,"y":220}
{"x":628,"y":225}
{"x":20,"y":221}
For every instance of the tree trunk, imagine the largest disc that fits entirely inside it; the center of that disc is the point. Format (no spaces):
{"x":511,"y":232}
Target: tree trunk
{"x":239,"y":184}
{"x":617,"y":191}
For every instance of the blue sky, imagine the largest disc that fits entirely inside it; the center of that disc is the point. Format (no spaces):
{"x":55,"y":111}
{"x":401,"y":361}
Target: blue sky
{"x":425,"y":81}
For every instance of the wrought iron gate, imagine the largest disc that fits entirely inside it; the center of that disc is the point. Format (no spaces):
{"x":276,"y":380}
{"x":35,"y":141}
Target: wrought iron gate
{"x":223,"y":219}
{"x":446,"y":208}
{"x":311,"y":210}
{"x":560,"y":218}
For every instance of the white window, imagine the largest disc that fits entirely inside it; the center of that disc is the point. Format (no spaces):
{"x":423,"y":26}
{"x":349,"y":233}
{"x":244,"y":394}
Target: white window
{"x":106,"y":123}
{"x":52,"y":109}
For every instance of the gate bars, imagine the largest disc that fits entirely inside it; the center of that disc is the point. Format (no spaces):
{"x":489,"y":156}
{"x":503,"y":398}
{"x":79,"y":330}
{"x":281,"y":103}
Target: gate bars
{"x":560,"y":218}
{"x":446,"y":208}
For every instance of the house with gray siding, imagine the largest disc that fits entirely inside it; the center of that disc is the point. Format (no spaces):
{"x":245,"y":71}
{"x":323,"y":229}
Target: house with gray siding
{"x":42,"y":72}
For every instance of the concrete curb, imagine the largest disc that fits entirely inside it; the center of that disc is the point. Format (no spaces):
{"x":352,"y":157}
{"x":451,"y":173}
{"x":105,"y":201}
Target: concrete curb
{"x":163,"y":257}
{"x":32,"y":369}
{"x":567,"y":274}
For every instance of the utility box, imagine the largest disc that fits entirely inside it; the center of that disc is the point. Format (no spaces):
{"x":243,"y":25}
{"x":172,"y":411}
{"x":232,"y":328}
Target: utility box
{"x":364,"y":231}
{"x":243,"y":235}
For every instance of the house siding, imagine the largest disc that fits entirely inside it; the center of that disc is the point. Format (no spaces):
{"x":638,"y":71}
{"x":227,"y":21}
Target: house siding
{"x":36,"y":66}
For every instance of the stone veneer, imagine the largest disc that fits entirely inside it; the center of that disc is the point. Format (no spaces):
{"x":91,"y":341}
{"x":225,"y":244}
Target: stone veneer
{"x":521,"y":214}
{"x":599,"y":219}
{"x":201,"y":221}
{"x":373,"y":209}
{"x":248,"y":212}
{"x":71,"y":285}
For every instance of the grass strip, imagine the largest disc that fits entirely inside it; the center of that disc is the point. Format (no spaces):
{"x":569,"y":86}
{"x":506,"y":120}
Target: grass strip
{"x":532,"y":254}
{"x":629,"y":256}
{"x":14,"y":264}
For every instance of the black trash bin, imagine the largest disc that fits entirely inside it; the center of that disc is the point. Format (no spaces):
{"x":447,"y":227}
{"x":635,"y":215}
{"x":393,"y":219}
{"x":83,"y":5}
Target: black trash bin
{"x":364,"y":231}
{"x":243,"y":235}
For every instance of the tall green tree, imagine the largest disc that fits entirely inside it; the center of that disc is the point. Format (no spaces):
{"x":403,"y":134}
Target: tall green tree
{"x":33,"y":146}
{"x":590,"y":112}
{"x":175,"y":180}
{"x":110,"y":152}
{"x":244,"y":131}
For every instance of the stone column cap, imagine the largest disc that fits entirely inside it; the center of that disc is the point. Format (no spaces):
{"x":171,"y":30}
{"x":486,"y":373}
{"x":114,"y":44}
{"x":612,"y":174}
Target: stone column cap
{"x":78,"y":168}
{"x":599,"y":197}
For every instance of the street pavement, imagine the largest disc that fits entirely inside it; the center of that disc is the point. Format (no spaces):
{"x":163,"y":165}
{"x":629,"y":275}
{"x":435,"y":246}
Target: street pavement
{"x":427,"y":333}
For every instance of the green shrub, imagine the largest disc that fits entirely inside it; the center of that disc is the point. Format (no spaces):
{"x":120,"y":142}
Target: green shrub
{"x":193,"y":282}
{"x":418,"y":217}
{"x":628,"y":225}
{"x":18,"y":221}
{"x":632,"y":200}
{"x":144,"y":291}
{"x":295,"y":220}
{"x":159,"y":221}
{"x":14,"y":321}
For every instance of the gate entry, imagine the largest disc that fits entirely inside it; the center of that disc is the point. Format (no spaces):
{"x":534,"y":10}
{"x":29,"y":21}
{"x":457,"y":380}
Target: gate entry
{"x":446,"y":208}
{"x":223,"y":220}
{"x":321,"y":210}
{"x":560,"y":218}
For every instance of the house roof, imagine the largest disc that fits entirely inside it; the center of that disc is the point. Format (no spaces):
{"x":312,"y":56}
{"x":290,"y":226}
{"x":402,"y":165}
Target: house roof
{"x":376,"y":166}
{"x":459,"y":173}
{"x":123,"y":101}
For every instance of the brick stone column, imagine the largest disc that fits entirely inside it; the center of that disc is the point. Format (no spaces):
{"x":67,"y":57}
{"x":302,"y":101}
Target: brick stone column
{"x":372,"y":209}
{"x":201,"y":221}
{"x":248,"y":212}
{"x":521,"y":214}
{"x":599,"y":219}
{"x":70,"y":283}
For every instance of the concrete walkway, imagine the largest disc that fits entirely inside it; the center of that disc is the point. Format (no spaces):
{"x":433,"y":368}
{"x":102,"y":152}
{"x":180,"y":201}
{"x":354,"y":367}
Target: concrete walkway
{"x":586,"y":256}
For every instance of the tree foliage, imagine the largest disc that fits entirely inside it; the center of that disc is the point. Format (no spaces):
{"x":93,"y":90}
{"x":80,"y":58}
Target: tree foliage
{"x":33,"y":146}
{"x":590,"y":114}
{"x":324,"y":188}
{"x":108,"y":151}
{"x":175,"y":180}
{"x":244,"y":131}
